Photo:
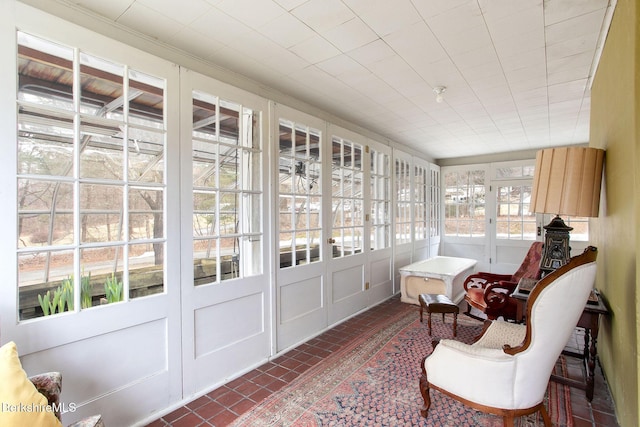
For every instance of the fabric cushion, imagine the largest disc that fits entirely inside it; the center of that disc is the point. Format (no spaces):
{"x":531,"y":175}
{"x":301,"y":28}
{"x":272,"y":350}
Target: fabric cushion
{"x":22,"y":405}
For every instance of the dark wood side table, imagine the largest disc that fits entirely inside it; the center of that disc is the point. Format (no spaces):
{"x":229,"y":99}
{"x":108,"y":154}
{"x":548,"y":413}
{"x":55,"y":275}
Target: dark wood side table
{"x":589,"y":321}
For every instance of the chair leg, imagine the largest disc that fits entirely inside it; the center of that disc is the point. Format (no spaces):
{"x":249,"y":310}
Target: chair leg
{"x":424,"y":391}
{"x":545,"y":416}
{"x":508,"y":420}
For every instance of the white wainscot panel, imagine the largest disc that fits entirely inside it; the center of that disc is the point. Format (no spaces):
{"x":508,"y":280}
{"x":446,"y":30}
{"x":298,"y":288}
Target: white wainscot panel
{"x":106,"y":363}
{"x":227,"y":323}
{"x":380,"y":271}
{"x":347,"y":282}
{"x":300,"y":299}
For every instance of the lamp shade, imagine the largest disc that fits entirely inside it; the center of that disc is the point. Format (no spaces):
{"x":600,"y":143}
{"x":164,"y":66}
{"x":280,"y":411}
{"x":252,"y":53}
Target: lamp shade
{"x":567,"y":181}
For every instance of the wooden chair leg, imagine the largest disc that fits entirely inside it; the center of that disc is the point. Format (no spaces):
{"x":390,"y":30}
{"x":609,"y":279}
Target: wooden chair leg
{"x":424,"y":390}
{"x":545,"y":416}
{"x":508,"y":420}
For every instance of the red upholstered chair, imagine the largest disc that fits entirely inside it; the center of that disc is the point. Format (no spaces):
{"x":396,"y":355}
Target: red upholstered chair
{"x":490,"y":293}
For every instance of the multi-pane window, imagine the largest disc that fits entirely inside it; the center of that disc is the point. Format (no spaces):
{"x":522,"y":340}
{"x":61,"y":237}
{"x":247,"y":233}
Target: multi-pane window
{"x":347,"y":198}
{"x":514,"y":220}
{"x":227,"y":190}
{"x":435,"y":218}
{"x":299,"y":194}
{"x":464,"y":204}
{"x":420,"y":202}
{"x":380,"y":200}
{"x":91,"y":180}
{"x":403,"y":201}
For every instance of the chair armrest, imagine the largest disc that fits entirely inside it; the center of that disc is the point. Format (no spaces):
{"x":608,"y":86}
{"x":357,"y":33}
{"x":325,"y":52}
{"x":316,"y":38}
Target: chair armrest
{"x":501,"y":333}
{"x":497,"y":294}
{"x":483,"y":279}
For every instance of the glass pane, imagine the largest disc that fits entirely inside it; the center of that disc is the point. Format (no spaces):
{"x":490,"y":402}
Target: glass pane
{"x":101,"y":276}
{"x":38,"y":62}
{"x":252,"y":213}
{"x":204,"y":166}
{"x":101,"y":154}
{"x":204,"y":261}
{"x":39,"y":284}
{"x":98,"y":76}
{"x":45,"y":143}
{"x":229,"y":259}
{"x":229,"y":168}
{"x":146,"y":269}
{"x":229,"y":122}
{"x":204,"y":208}
{"x":205,"y":123}
{"x":146,"y":100}
{"x":229,"y":213}
{"x":146,"y":155}
{"x":100,"y":213}
{"x":145,"y":213}
{"x":286,"y":244}
{"x":45,"y":213}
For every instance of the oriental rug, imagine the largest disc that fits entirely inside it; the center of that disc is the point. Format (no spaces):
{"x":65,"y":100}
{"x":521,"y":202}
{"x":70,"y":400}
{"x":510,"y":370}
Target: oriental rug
{"x":373,"y":381}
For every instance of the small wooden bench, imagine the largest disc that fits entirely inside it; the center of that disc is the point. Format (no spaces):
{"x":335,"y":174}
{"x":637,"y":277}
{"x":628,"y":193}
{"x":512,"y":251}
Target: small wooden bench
{"x":435,"y":303}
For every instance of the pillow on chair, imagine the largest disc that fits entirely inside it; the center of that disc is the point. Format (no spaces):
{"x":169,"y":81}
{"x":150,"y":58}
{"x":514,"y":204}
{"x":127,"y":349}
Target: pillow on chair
{"x":21,"y":404}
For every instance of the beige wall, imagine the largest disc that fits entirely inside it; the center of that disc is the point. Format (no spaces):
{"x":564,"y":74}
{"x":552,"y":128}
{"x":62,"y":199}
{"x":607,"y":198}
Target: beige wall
{"x":615,"y":106}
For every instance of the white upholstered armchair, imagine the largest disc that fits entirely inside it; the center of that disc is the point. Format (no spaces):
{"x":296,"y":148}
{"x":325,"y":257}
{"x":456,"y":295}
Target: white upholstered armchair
{"x":516,"y":360}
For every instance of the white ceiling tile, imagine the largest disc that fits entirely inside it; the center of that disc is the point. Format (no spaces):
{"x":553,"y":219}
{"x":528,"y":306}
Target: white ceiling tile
{"x":286,"y":30}
{"x":581,"y":25}
{"x":219,"y":26}
{"x":372,"y":52}
{"x":191,"y":41}
{"x":376,"y":14}
{"x":285,"y":61}
{"x":416,"y":44}
{"x":528,"y":18}
{"x":254,"y":45}
{"x":289,"y":4}
{"x":109,"y":9}
{"x":432,"y":8}
{"x":342,"y":65}
{"x":323,"y":15}
{"x":252,"y":13}
{"x":185,"y":14}
{"x":350,"y":35}
{"x":476,"y":57}
{"x":316,"y":49}
{"x":572,"y":46}
{"x":556,"y":11}
{"x":150,"y":22}
{"x":466,"y":40}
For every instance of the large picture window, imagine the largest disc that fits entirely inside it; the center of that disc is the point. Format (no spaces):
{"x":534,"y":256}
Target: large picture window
{"x":91,"y":180}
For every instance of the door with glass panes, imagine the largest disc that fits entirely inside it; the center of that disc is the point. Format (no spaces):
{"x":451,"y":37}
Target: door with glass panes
{"x":347,"y":273}
{"x":224,"y":273}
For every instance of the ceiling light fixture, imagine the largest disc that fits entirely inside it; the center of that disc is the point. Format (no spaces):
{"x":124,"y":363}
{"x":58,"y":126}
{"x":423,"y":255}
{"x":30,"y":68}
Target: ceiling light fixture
{"x":439,"y":90}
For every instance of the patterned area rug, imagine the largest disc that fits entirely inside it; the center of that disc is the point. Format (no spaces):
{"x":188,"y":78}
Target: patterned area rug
{"x":374,"y":382}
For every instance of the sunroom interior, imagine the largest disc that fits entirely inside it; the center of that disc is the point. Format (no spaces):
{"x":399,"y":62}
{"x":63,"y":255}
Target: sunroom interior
{"x":194,"y":190}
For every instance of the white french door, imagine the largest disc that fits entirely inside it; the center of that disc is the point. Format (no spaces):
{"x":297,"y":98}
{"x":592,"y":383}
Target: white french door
{"x":225,"y":274}
{"x":301,"y":247}
{"x":89,"y":126}
{"x":347,"y":273}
